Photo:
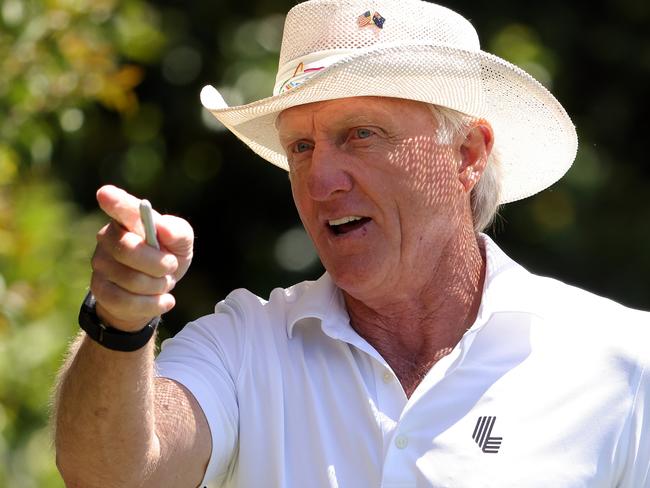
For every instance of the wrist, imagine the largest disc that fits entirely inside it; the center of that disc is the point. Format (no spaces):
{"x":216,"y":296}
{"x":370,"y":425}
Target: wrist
{"x":111,"y":337}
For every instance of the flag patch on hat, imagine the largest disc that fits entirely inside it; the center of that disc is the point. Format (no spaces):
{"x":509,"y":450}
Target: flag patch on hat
{"x":373,"y":19}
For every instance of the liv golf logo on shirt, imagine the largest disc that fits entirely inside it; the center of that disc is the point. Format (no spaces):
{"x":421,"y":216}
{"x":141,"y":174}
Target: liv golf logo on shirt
{"x":483,"y":435}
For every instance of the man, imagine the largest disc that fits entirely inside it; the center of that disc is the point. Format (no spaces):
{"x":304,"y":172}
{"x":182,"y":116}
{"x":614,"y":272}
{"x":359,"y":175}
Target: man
{"x":424,"y":356}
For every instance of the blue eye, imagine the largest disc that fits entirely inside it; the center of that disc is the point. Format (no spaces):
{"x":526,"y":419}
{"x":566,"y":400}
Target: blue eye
{"x":364,"y":133}
{"x":302,"y":146}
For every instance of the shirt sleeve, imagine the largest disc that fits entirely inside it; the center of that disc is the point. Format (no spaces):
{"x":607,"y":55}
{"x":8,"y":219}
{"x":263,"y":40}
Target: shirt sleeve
{"x":205,"y":357}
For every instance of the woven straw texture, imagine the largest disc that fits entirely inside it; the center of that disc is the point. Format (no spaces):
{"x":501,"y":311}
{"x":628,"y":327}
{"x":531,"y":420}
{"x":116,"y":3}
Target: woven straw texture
{"x":422,"y":52}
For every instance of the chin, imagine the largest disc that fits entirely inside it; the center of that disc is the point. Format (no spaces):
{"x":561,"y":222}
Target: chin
{"x":355,"y":280}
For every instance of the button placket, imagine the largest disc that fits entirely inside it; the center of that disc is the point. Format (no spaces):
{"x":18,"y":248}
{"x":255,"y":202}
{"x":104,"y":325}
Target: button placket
{"x":389,"y":391}
{"x":398,"y":468}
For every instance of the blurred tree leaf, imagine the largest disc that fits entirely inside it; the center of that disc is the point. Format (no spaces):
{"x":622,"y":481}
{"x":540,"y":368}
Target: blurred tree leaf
{"x":59,"y":59}
{"x":62,"y":54}
{"x":43,"y":272}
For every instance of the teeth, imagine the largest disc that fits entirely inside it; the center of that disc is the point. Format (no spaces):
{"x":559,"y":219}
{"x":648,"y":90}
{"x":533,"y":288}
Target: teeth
{"x":344,"y":220}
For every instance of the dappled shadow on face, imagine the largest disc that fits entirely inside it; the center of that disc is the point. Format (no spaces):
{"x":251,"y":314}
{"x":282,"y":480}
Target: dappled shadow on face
{"x":428,"y":164}
{"x":429,"y":168}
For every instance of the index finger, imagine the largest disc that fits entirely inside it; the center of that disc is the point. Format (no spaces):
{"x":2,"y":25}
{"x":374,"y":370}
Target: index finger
{"x":121,"y":207}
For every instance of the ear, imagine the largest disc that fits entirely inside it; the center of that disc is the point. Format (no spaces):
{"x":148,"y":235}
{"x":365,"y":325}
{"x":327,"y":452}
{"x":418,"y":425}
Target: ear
{"x":474,"y":152}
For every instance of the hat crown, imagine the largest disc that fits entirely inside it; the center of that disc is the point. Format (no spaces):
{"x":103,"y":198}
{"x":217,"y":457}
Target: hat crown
{"x":414,"y":50}
{"x":333,"y":25}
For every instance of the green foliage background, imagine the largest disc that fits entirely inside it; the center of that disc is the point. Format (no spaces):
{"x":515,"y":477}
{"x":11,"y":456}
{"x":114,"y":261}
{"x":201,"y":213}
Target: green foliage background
{"x":106,"y":91}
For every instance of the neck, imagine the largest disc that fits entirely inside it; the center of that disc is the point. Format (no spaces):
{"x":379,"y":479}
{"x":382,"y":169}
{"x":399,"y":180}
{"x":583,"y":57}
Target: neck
{"x":413,"y":330}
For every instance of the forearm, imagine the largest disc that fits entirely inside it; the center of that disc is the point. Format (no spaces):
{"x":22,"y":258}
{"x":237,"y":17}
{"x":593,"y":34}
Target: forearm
{"x":104,"y":417}
{"x":105,"y":404}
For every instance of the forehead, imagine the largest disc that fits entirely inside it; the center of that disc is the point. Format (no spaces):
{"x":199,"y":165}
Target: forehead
{"x":358,"y":107}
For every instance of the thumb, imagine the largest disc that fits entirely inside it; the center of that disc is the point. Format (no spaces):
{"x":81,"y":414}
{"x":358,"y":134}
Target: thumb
{"x":176,"y":235}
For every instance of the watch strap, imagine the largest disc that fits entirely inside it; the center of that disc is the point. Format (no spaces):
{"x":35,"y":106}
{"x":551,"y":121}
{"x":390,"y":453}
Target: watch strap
{"x":110,"y":337}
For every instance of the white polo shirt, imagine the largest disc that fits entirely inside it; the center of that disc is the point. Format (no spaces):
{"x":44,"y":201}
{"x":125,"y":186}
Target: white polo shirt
{"x":549,"y":388}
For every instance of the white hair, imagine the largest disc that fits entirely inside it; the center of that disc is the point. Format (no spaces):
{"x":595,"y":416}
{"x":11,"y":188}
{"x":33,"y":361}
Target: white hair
{"x":484,"y":198}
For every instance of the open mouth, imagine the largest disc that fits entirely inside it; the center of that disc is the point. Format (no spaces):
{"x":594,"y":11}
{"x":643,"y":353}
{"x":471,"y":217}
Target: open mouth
{"x":347,"y":224}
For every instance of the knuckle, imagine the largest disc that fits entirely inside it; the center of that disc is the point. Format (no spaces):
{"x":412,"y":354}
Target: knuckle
{"x":98,"y":260}
{"x":123,"y":247}
{"x":102,"y":233}
{"x":119,"y":249}
{"x":100,"y":287}
{"x":95,"y":259}
{"x":112,"y":240}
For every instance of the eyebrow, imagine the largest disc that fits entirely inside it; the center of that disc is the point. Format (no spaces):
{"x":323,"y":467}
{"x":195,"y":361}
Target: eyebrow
{"x":351,"y":120}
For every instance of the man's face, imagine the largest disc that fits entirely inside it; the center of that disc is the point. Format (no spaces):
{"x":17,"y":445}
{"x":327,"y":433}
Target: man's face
{"x":377,"y":189}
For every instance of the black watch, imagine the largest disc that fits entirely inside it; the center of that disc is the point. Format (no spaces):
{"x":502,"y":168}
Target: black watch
{"x":109,"y":337}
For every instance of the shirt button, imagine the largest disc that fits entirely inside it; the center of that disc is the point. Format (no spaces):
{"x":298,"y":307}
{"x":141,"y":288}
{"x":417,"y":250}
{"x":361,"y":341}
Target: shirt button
{"x":401,"y":441}
{"x":388,"y":377}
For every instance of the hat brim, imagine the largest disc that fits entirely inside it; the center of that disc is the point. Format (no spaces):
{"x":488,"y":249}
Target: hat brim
{"x":534,"y":137}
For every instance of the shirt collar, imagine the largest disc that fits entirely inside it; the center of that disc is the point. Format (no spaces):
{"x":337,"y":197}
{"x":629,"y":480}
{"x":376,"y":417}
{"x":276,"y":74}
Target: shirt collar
{"x":321,"y":302}
{"x":505,"y":288}
{"x":315,"y":301}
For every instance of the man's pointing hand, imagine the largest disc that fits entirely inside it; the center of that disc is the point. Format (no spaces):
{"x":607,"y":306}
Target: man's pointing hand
{"x":131,"y":280}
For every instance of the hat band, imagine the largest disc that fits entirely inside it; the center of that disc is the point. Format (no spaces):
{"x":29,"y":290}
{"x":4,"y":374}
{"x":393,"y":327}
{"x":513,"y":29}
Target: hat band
{"x":298,"y":71}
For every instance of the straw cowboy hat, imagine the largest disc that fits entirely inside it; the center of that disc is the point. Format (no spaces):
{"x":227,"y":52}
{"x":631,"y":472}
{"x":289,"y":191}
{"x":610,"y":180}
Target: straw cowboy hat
{"x":415,"y":50}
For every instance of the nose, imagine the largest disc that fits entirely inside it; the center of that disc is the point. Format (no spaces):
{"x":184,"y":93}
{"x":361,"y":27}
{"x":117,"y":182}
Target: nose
{"x":327,"y":175}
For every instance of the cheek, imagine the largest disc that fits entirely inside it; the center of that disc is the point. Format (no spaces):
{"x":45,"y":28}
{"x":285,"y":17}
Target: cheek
{"x":302,"y":203}
{"x":428,"y":170}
